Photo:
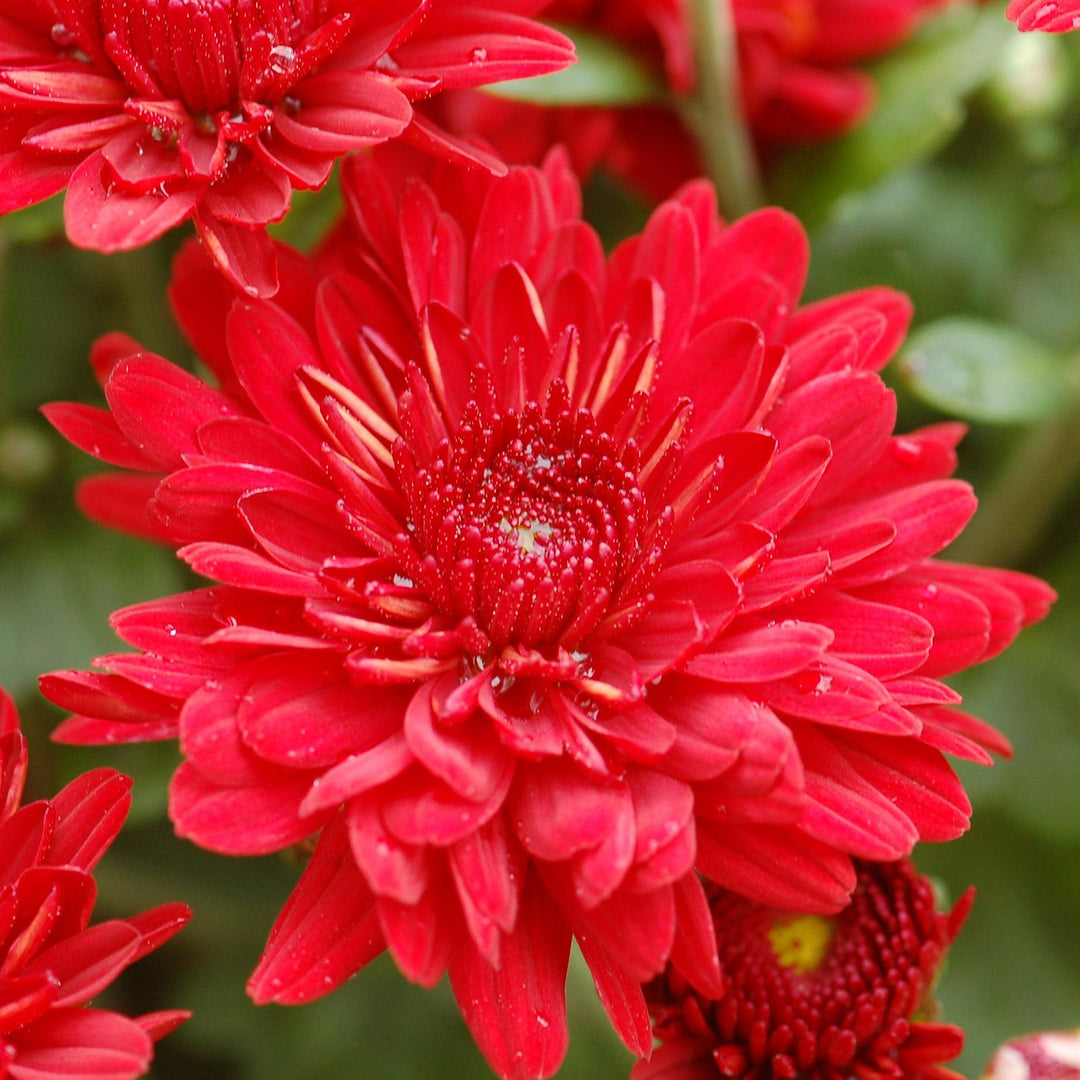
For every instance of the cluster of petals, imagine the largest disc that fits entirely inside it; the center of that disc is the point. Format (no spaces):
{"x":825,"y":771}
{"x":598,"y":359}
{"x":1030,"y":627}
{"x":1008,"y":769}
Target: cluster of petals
{"x":52,"y":962}
{"x":1044,"y":1055}
{"x":543,"y":581}
{"x":1051,"y":16}
{"x":798,"y":72}
{"x":817,"y":999}
{"x":151,"y":112}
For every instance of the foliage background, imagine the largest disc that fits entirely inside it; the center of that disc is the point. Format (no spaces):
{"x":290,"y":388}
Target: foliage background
{"x":964,"y":191}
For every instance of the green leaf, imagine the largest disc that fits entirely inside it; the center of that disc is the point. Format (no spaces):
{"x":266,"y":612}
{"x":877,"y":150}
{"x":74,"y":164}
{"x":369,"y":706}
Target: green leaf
{"x":605,"y":74}
{"x":311,"y":217}
{"x":983,"y":371}
{"x":59,"y":581}
{"x":921,"y":90}
{"x":36,"y":224}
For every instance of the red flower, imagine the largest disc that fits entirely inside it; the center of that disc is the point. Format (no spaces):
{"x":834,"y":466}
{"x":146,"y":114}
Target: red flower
{"x":1053,"y":16}
{"x":51,"y":961}
{"x":153,"y":111}
{"x":544,"y":578}
{"x":817,"y":998}
{"x":798,"y":79}
{"x":1045,"y":1055}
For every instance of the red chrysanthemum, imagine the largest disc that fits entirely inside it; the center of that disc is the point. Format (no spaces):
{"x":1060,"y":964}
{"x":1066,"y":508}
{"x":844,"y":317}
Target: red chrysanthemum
{"x":153,"y":111}
{"x":52,"y":962}
{"x":817,"y":998}
{"x":797,"y":73}
{"x":1052,"y":16}
{"x":544,"y":579}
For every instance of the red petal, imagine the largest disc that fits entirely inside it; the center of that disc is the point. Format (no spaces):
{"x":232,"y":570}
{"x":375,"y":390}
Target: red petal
{"x":157,"y":925}
{"x":341,"y":111}
{"x":357,"y":774}
{"x":327,"y":931}
{"x":268,"y":347}
{"x":488,"y":868}
{"x":233,"y":565}
{"x":421,"y":935}
{"x":769,"y":245}
{"x":517,"y":1014}
{"x":300,"y":711}
{"x":472,"y":44}
{"x":13,"y":758}
{"x":87,"y":962}
{"x":122,"y":501}
{"x":24,"y":839}
{"x":693,"y":952}
{"x":244,"y":254}
{"x":81,"y":1044}
{"x":239,"y":821}
{"x":95,"y":432}
{"x":762,"y":653}
{"x":557,"y":810}
{"x":102,"y":217}
{"x":467,"y":755}
{"x":393,"y":869}
{"x":621,"y":996}
{"x":90,"y":811}
{"x":776,"y":865}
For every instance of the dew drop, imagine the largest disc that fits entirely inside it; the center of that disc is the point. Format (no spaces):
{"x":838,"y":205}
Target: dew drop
{"x":61,"y":35}
{"x":282,"y":59}
{"x":906,"y":451}
{"x":477,"y":55}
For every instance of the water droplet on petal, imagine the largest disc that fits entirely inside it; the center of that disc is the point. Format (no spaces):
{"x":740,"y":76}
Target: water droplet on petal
{"x":282,"y":59}
{"x":62,"y":36}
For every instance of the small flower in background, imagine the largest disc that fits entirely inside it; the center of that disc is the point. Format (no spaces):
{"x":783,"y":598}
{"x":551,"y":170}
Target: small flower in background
{"x":817,"y":997}
{"x":152,"y":112}
{"x":52,"y":962}
{"x":1048,"y":1055}
{"x":798,"y":71}
{"x":544,"y":581}
{"x":1052,"y":16}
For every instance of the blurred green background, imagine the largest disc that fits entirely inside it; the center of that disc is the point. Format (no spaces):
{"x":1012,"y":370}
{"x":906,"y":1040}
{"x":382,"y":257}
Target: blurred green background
{"x":964,"y":191}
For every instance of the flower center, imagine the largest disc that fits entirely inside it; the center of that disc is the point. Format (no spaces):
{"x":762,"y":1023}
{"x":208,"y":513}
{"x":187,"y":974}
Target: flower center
{"x":209,"y":53}
{"x":526,"y":521}
{"x":814,"y":997}
{"x":802,"y":943}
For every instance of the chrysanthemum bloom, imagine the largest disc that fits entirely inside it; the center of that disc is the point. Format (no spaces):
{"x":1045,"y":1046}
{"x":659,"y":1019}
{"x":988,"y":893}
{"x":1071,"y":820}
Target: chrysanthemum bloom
{"x":543,"y":579}
{"x":52,"y":962}
{"x":1048,"y":1055}
{"x":1053,"y":16}
{"x":798,"y":74}
{"x":817,"y":998}
{"x":153,"y":111}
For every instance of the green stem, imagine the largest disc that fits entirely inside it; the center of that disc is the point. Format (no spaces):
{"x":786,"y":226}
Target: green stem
{"x":714,"y":111}
{"x":1022,"y":502}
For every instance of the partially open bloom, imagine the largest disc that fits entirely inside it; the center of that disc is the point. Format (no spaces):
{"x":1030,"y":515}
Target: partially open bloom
{"x":150,"y":112}
{"x":799,"y":81}
{"x":1046,"y":1055}
{"x":817,"y":998}
{"x":1053,"y":16}
{"x":543,"y":580}
{"x":52,"y":962}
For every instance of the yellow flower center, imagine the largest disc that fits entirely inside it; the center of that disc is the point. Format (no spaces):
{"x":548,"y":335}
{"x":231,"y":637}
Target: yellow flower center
{"x":802,"y":942}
